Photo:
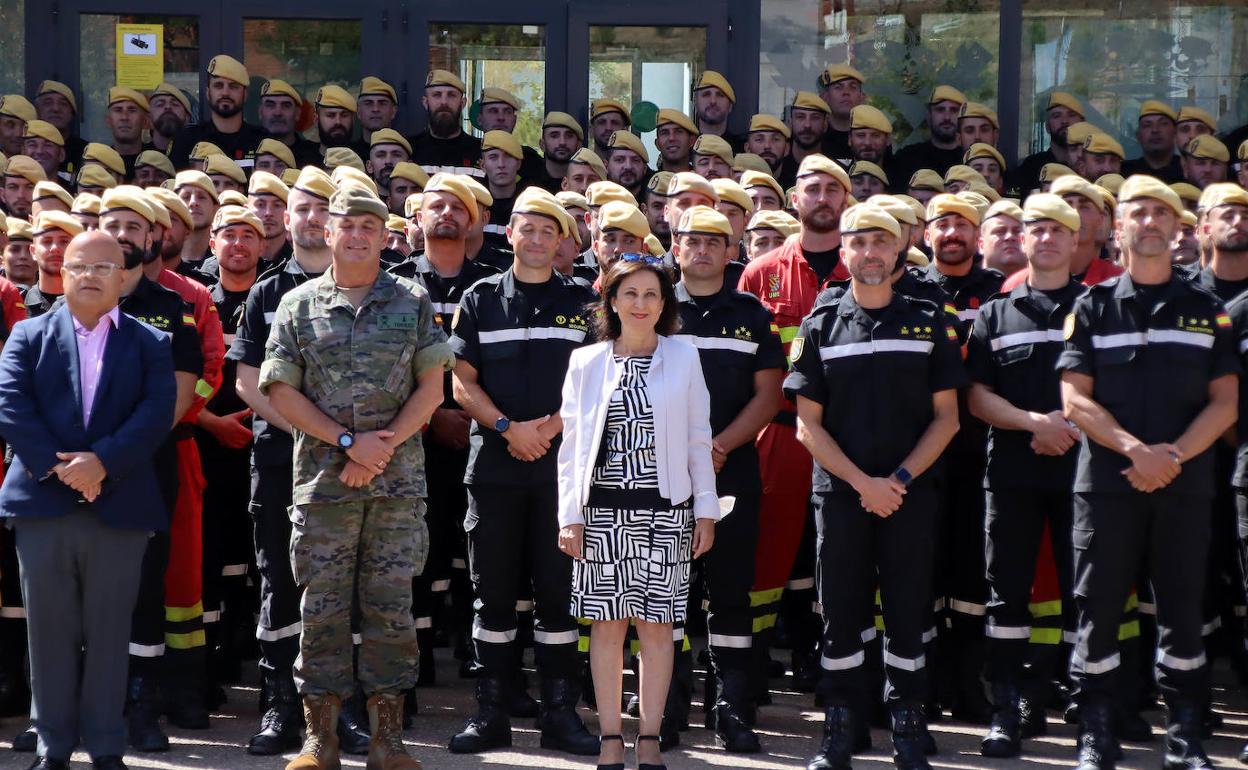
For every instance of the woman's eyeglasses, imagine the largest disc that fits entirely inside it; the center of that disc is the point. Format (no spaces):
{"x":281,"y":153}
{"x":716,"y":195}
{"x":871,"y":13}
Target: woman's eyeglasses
{"x":644,"y":259}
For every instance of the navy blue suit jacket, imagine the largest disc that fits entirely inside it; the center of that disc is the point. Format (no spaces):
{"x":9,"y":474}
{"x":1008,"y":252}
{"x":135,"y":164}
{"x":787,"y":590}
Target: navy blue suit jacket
{"x":41,"y":414}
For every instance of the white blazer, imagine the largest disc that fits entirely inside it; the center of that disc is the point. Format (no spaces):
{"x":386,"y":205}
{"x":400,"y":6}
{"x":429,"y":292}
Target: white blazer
{"x":682,"y":425}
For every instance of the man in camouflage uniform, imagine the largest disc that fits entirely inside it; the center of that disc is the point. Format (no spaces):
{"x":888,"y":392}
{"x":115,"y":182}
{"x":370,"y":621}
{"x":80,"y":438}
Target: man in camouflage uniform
{"x":354,"y":361}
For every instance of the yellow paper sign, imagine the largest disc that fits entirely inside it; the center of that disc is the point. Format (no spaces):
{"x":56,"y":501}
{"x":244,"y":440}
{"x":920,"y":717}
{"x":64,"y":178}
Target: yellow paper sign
{"x":140,"y":55}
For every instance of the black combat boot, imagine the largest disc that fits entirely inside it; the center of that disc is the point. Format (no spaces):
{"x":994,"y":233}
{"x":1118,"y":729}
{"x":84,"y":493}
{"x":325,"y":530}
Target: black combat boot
{"x":1183,"y":737}
{"x":562,"y":728}
{"x":491,"y":727}
{"x":730,"y":728}
{"x":283,"y":717}
{"x":1004,"y":736}
{"x":840,"y":730}
{"x":909,"y":736}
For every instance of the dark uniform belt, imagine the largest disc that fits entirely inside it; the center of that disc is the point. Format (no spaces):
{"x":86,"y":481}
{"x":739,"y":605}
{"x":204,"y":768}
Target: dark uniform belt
{"x":633,"y":499}
{"x":785,"y":418}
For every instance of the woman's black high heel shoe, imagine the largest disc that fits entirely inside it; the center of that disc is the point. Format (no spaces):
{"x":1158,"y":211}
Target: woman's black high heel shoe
{"x":615,"y":765}
{"x":647,"y":765}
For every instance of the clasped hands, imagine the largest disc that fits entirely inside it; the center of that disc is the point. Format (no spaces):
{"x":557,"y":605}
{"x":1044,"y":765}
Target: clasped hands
{"x":367,"y":458}
{"x":82,"y":472}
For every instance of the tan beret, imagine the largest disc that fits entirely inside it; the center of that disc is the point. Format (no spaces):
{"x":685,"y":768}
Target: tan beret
{"x":279,"y":87}
{"x":748,"y":161}
{"x":687,"y":181}
{"x":86,"y":204}
{"x":26,"y":167}
{"x":48,"y":189}
{"x":502,"y":140}
{"x":1073,"y":184}
{"x":1154,"y":107}
{"x":56,"y":220}
{"x":228,"y":216}
{"x":1186,"y":191}
{"x":1197,"y":114}
{"x":897,"y":208}
{"x":1208,"y":146}
{"x":223,"y":66}
{"x":712,"y":79}
{"x":95,"y":176}
{"x":499,"y":95}
{"x":916,"y":257}
{"x":1064,"y":99}
{"x":780,"y":221}
{"x":602,"y":193}
{"x":1188,"y":219}
{"x":758,"y":179}
{"x":130,"y":198}
{"x":411,"y":172}
{"x":334,"y":96}
{"x":627,"y":140}
{"x":1103,"y":144}
{"x":920,"y":211}
{"x":977,"y":110}
{"x":709,"y":144}
{"x":963,"y":173}
{"x":705,"y":220}
{"x":479,"y":191}
{"x":808,"y":100}
{"x":980,"y":202}
{"x":389,"y":136}
{"x":947,"y":94}
{"x":374,"y":86}
{"x":193,"y":178}
{"x":536,"y":200}
{"x":106,"y":156}
{"x":352,"y":201}
{"x":1006,"y":207}
{"x":157,"y":160}
{"x":396,"y":224}
{"x":563,"y":120}
{"x":169,"y":89}
{"x":927,"y":179}
{"x":57,"y":87}
{"x":658,"y":183}
{"x":764,"y":122}
{"x":822,"y":164}
{"x":1051,"y":171}
{"x":983,"y":150}
{"x":866,"y":116}
{"x":1143,"y":186}
{"x":654,"y":247}
{"x":19,"y":229}
{"x":277,"y":149}
{"x":603,"y":106}
{"x":315,"y":182}
{"x":868,"y":168}
{"x":984,"y":191}
{"x":572,"y":200}
{"x":411,"y":204}
{"x":729,"y":191}
{"x":456,"y":185}
{"x":158,"y":209}
{"x":172,"y":203}
{"x":439,"y":77}
{"x":290,"y":176}
{"x":225,"y":166}
{"x":864,"y":217}
{"x":202,"y":150}
{"x":17,"y":106}
{"x":587,"y":157}
{"x":343,"y":156}
{"x":677,"y":118}
{"x":835,"y":73}
{"x":350,"y":175}
{"x":945,"y":204}
{"x":1111,"y":182}
{"x":233,"y":198}
{"x":617,"y":215}
{"x":44,"y":130}
{"x":1223,"y":194}
{"x":124,"y":94}
{"x":264,"y":183}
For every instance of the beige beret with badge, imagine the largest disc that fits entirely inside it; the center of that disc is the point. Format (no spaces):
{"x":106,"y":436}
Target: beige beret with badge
{"x":27,"y":168}
{"x":192,"y":178}
{"x":124,"y":94}
{"x":764,"y":122}
{"x":808,"y":100}
{"x":85,"y":204}
{"x":375,"y":86}
{"x":759,"y":179}
{"x":687,"y":181}
{"x":19,"y":229}
{"x":335,"y":96}
{"x":412,"y":203}
{"x":349,"y":175}
{"x":223,"y":66}
{"x":780,"y":221}
{"x":658,"y":183}
{"x":226,"y":167}
{"x":945,"y":93}
{"x":864,"y":217}
{"x":1144,"y":186}
{"x":343,"y":156}
{"x":627,"y":140}
{"x":603,"y":106}
{"x":499,"y":96}
{"x":704,"y":220}
{"x":572,"y":200}
{"x":1208,"y":146}
{"x":835,"y":73}
{"x":17,"y":106}
{"x":1042,"y":206}
{"x":729,"y":191}
{"x":868,"y":168}
{"x":1103,"y":144}
{"x":897,"y":208}
{"x":1006,"y":207}
{"x":56,"y":220}
{"x":277,"y":149}
{"x":233,"y":198}
{"x":315,"y":182}
{"x":977,"y":110}
{"x":396,"y":224}
{"x":279,"y":87}
{"x":104,"y":155}
{"x":963,"y":173}
{"x":1111,"y":182}
{"x":617,"y":215}
{"x":536,"y":200}
{"x":501,"y":140}
{"x":442,"y":78}
{"x":1189,"y":113}
{"x":157,"y":160}
{"x":1223,"y":194}
{"x":945,"y":204}
{"x":479,"y":191}
{"x":676,"y":118}
{"x":822,"y":164}
{"x":1064,"y":99}
{"x":709,"y":144}
{"x":228,"y":216}
{"x":606,"y":191}
{"x":587,"y":157}
{"x":169,"y":89}
{"x":1073,"y":184}
{"x":42,"y":129}
{"x":95,"y":176}
{"x":1154,"y":107}
{"x":866,"y":116}
{"x":455,"y":184}
{"x":353,"y":201}
{"x":202,"y":150}
{"x":712,"y":79}
{"x":57,"y":87}
{"x":983,"y":150}
{"x":748,"y":161}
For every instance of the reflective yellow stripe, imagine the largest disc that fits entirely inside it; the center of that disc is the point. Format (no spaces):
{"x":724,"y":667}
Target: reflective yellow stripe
{"x":1129,"y":630}
{"x":203,"y":389}
{"x":634,"y":646}
{"x":770,"y":596}
{"x":787,"y":333}
{"x":582,"y":644}
{"x":763,"y":622}
{"x":1133,"y":603}
{"x":183,"y":614}
{"x":879,"y":622}
{"x":1052,"y":636}
{"x":186,"y":641}
{"x":1045,"y":609}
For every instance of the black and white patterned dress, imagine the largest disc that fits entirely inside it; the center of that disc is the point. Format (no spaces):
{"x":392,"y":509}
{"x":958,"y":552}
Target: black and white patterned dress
{"x":637,"y":554}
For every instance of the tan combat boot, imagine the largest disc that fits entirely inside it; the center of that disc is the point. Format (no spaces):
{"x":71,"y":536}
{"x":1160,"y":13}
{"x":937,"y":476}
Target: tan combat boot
{"x":320,"y":747}
{"x":385,"y":721}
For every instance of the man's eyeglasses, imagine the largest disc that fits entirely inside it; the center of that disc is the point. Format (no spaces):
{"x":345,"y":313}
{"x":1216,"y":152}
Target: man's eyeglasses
{"x":96,"y":269}
{"x":644,"y":259}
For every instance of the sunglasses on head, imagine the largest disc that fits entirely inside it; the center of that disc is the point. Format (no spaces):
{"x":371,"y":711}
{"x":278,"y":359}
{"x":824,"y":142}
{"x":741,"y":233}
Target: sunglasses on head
{"x":644,"y":259}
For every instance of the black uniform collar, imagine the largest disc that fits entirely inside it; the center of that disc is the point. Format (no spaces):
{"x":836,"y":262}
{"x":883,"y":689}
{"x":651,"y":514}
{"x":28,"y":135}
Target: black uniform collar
{"x":848,"y":307}
{"x":1126,"y":288}
{"x":507,"y":286}
{"x":1024,"y":289}
{"x":724,"y":294}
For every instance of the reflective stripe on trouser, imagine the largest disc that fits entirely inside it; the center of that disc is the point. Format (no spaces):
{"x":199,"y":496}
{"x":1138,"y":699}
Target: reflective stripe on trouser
{"x":227,"y":555}
{"x":513,"y":532}
{"x":1114,"y":535}
{"x":1017,"y":530}
{"x":147,"y":624}
{"x":280,"y":623}
{"x":444,"y":516}
{"x":369,"y":549}
{"x":728,"y":573}
{"x":854,"y":549}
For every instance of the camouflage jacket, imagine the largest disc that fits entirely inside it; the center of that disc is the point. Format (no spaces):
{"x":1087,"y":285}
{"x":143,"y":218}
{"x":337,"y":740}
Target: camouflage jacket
{"x":359,"y":367}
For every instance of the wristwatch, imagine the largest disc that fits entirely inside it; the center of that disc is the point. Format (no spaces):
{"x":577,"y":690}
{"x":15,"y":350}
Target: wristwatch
{"x":502,"y":424}
{"x":903,"y":475}
{"x":346,"y":440}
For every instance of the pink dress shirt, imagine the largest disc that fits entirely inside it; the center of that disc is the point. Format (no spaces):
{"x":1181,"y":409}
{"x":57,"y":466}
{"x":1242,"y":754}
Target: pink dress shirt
{"x":91,"y":343}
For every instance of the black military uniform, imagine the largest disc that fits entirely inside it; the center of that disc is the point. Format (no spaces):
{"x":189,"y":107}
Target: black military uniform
{"x":461,"y":155}
{"x":37,"y":303}
{"x":1225,"y":290}
{"x":836,"y":146}
{"x":240,"y":146}
{"x":447,"y":503}
{"x":874,"y":372}
{"x":1025,"y":178}
{"x":734,"y":337}
{"x":495,"y":256}
{"x":913,"y":157}
{"x":1152,"y":351}
{"x":1013,"y":347}
{"x":1172,"y":173}
{"x":965,"y":587}
{"x":1238,"y":311}
{"x":519,"y":338}
{"x":500,"y":214}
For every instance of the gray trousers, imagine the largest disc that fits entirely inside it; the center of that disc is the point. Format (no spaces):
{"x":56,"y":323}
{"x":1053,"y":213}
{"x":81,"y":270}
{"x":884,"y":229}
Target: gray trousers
{"x":80,"y":579}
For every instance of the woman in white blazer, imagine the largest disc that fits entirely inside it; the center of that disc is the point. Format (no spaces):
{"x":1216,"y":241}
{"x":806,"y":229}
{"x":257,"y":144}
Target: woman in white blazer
{"x":637,"y":495}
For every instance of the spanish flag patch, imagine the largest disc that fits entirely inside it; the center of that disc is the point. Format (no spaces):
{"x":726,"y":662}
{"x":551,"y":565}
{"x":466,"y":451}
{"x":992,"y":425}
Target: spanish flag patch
{"x":189,"y":320}
{"x":951,"y":334}
{"x":1223,"y":320}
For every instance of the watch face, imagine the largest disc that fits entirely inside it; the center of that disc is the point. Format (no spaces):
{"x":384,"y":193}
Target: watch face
{"x":346,"y":440}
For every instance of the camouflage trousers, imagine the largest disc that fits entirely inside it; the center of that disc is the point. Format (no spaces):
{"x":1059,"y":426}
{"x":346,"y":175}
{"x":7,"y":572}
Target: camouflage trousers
{"x":367,"y":552}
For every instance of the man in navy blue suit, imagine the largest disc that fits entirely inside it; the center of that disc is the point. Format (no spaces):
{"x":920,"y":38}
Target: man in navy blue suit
{"x":86,"y":395}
